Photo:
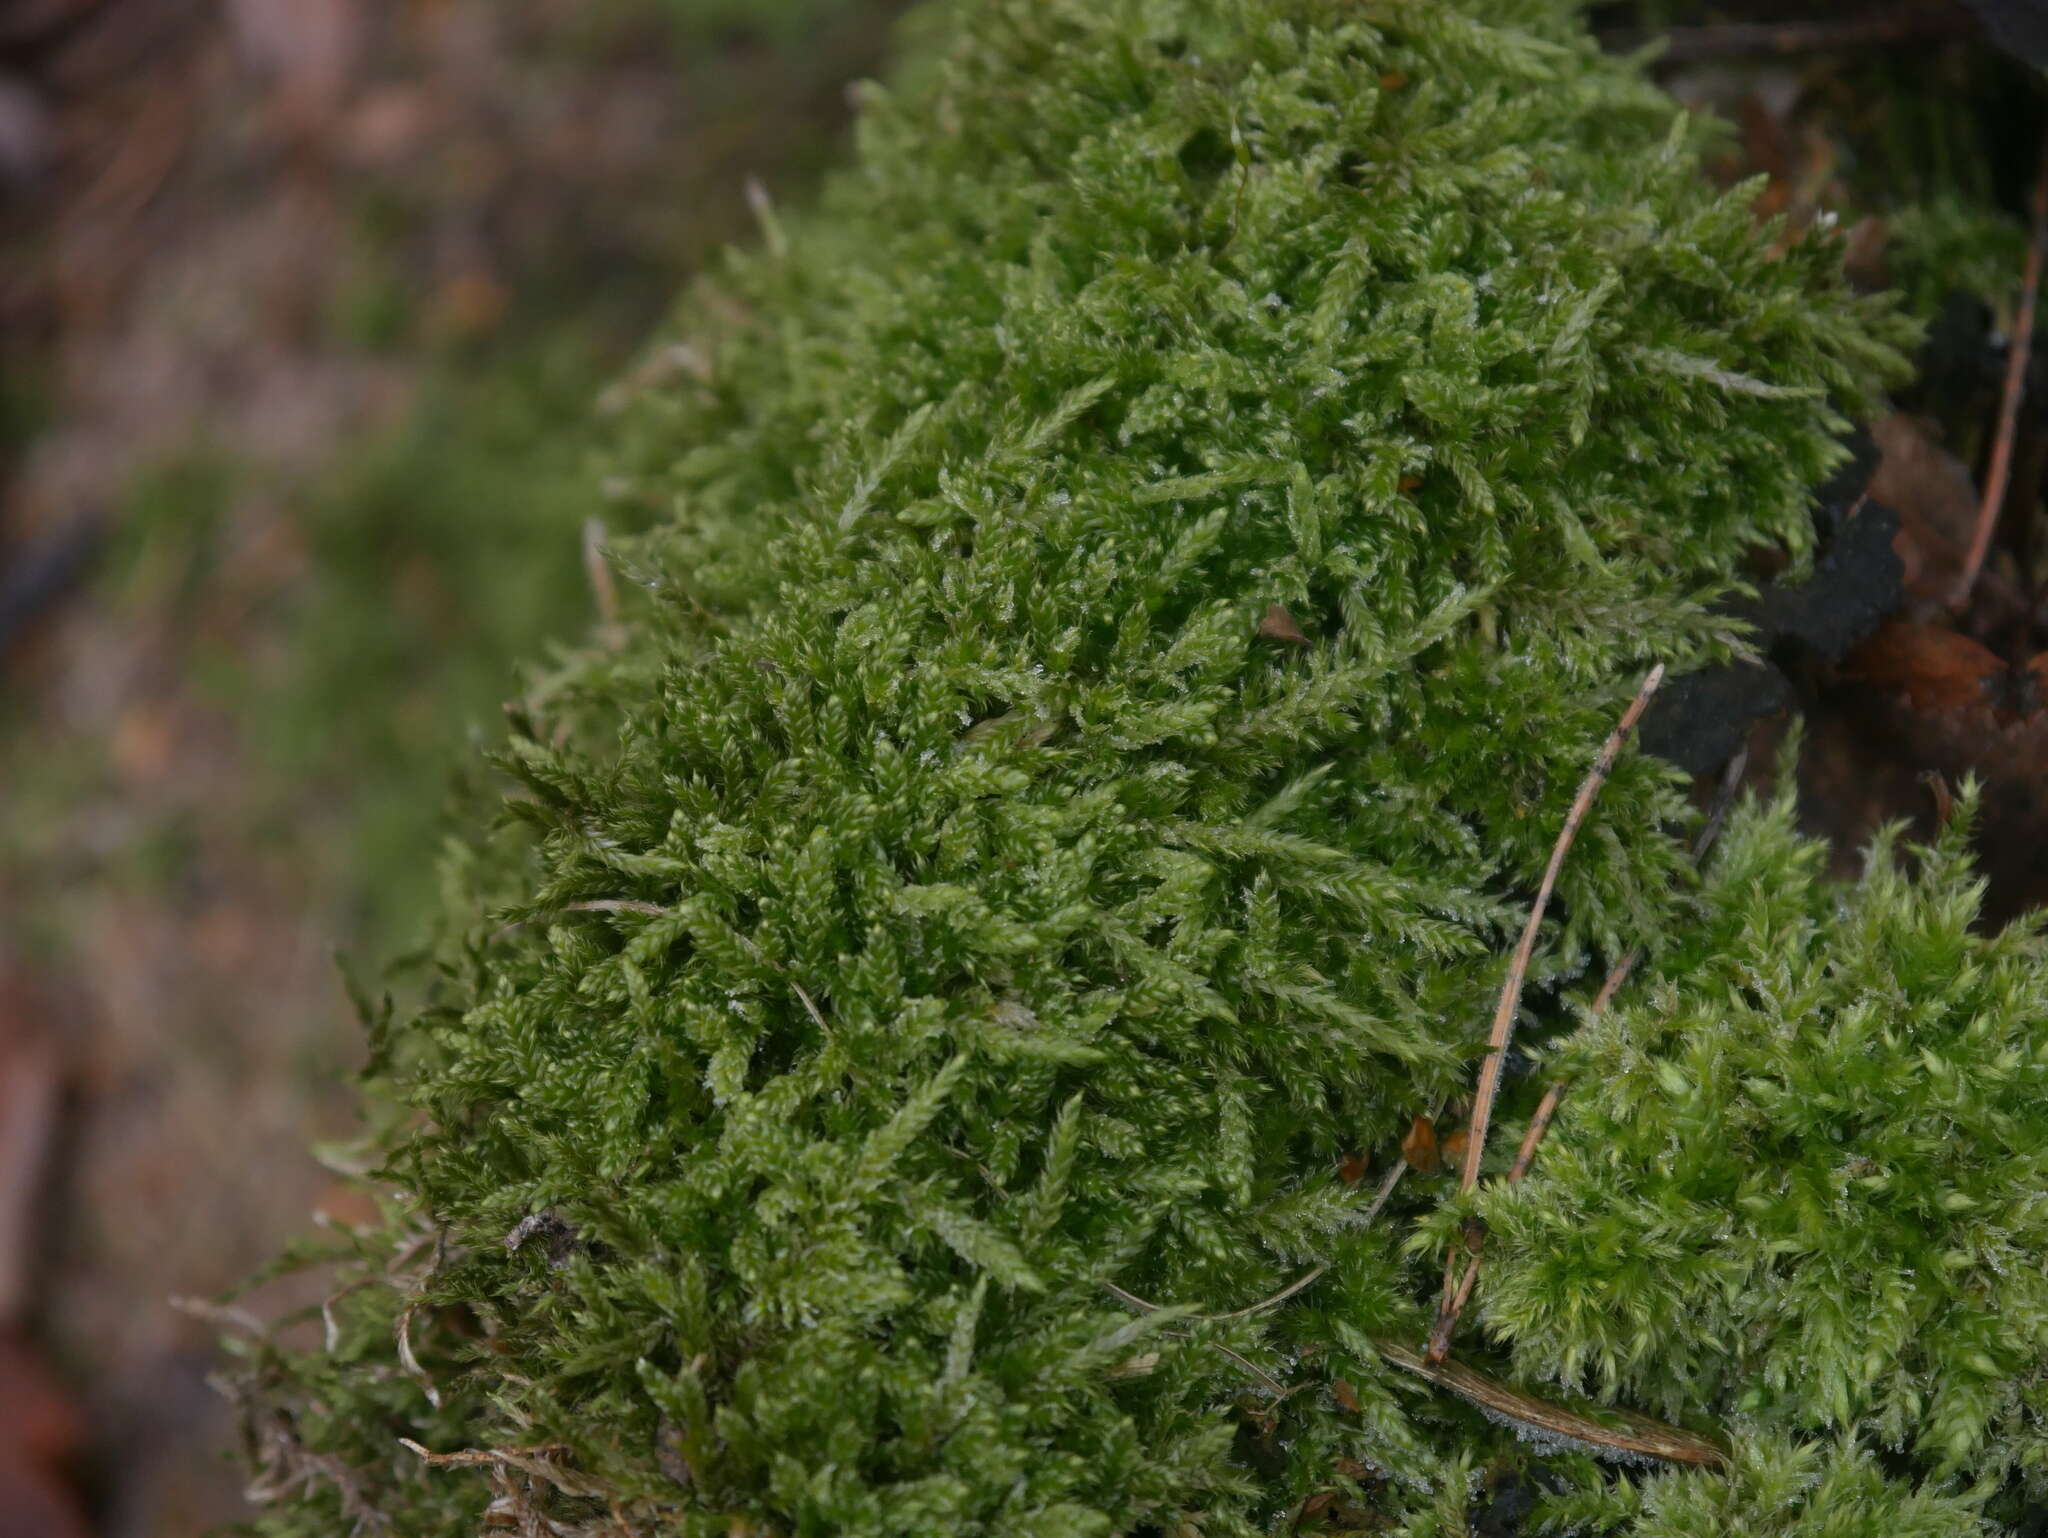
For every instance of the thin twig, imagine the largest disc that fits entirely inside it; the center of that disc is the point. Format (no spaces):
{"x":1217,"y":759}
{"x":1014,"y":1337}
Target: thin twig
{"x":1125,"y":1296}
{"x":2017,"y":356}
{"x":1272,"y":1384}
{"x":1633,"y":1435}
{"x":1304,"y":1280}
{"x":1447,"y":1316}
{"x":1518,"y":968}
{"x":604,"y":591}
{"x":1379,"y":1201}
{"x":220,"y":1314}
{"x":1710,"y":830}
{"x":1511,"y":991}
{"x":1717,"y":813}
{"x":1386,"y":1191}
{"x":1279,"y":1390}
{"x":1538,"y":1125}
{"x":1546,"y":1109}
{"x":409,"y":1360}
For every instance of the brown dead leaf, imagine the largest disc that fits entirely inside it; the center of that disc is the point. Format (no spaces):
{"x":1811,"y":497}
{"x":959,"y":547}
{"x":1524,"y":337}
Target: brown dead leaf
{"x":1278,"y":625}
{"x":1936,"y":500}
{"x":1453,"y":1148}
{"x":1345,"y":1395}
{"x":1352,"y":1167}
{"x":1935,"y":670}
{"x":1420,"y":1149}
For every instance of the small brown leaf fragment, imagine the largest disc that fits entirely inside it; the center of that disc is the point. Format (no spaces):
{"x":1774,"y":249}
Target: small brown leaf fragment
{"x":1473,"y":1232}
{"x":1393,"y":80}
{"x":1935,"y":669}
{"x":1278,"y":625}
{"x":1350,"y":1468}
{"x":1352,"y":1167}
{"x":1317,"y":1502}
{"x":1453,"y":1147}
{"x":1936,"y":500}
{"x":1345,"y":1395}
{"x":1420,"y":1149}
{"x":1411,"y":483}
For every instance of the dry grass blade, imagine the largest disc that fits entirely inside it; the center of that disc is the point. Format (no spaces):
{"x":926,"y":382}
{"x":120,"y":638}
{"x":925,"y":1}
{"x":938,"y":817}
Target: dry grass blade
{"x":1538,"y":1125}
{"x":1518,"y":968}
{"x":1710,"y":830}
{"x":604,"y":589}
{"x":1617,"y":1433}
{"x":2018,"y":355}
{"x":1455,"y":1294}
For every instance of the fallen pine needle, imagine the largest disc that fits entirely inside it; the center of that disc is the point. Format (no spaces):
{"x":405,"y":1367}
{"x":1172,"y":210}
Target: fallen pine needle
{"x":1717,"y":815}
{"x":1615,"y":1434}
{"x":1511,"y":991}
{"x":1525,"y":949}
{"x":2017,"y":356}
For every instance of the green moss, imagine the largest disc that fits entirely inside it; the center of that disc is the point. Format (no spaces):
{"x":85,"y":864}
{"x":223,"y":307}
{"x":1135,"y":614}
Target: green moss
{"x":954,"y":914}
{"x":1802,"y":1177}
{"x":1775,"y":1489}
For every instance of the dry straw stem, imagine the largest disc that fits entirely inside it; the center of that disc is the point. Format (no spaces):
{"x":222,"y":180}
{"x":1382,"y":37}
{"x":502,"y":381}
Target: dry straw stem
{"x":2018,"y":354}
{"x":1525,"y":1156}
{"x":1539,"y":1124}
{"x":1621,"y":1431}
{"x":1456,"y":1291}
{"x":1518,"y":968}
{"x":604,"y":591}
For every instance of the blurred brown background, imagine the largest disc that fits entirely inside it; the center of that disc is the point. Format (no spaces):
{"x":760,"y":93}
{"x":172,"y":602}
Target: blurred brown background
{"x":303,"y":304}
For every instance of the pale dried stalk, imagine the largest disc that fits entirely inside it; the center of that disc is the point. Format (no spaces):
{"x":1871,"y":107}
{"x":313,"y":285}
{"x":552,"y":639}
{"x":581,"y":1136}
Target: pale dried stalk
{"x":2017,"y":357}
{"x":1454,"y":1292}
{"x":1525,"y":949}
{"x":1630,"y":1434}
{"x":1717,"y":815}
